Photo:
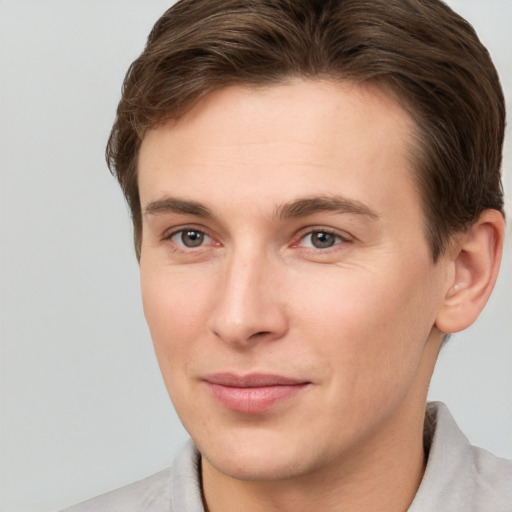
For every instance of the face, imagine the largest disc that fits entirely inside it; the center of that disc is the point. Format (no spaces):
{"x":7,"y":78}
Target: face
{"x":286,"y":278}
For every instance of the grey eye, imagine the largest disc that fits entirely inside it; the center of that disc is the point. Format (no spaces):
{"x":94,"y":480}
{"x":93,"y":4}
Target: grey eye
{"x":322,"y":240}
{"x":191,"y":237}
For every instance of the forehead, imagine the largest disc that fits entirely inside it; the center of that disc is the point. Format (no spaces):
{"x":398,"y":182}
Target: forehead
{"x":313,"y":111}
{"x":277,"y":142}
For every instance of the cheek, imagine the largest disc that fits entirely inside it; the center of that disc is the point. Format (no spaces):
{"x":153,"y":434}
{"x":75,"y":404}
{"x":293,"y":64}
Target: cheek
{"x":371,"y":328}
{"x":175,"y":312}
{"x":175,"y":308}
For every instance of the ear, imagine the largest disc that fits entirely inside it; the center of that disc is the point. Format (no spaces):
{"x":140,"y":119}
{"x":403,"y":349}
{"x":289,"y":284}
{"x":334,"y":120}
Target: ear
{"x":475,"y":260}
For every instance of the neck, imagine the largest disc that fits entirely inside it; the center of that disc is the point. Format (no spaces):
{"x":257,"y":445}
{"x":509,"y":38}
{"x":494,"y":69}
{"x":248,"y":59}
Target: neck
{"x":383,"y":475}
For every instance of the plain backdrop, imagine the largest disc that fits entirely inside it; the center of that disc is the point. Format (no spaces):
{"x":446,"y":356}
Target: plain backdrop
{"x":83,"y":407}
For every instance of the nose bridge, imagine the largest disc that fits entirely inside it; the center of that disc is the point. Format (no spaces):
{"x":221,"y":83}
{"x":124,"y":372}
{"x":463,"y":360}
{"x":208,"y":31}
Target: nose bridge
{"x":248,"y":308}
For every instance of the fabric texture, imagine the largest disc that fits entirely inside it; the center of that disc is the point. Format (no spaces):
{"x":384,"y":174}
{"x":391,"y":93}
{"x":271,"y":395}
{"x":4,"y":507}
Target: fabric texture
{"x":458,"y":478}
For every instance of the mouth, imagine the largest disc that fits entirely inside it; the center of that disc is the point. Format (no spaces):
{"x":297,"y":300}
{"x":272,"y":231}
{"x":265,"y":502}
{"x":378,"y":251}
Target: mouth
{"x":252,"y":394}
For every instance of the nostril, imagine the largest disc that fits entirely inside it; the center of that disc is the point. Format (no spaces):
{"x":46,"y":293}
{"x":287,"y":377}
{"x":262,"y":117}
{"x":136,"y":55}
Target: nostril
{"x":261,"y":333}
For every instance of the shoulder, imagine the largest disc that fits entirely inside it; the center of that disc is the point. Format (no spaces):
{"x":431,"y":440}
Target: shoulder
{"x":459,"y":476}
{"x":492,"y":476}
{"x":175,"y":489}
{"x":150,"y":494}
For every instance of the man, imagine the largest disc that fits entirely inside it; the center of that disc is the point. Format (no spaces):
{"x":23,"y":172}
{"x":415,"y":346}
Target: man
{"x":316,"y":197}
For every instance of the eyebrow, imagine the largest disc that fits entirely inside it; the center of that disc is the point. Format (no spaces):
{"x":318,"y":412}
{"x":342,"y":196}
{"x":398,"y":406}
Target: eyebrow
{"x":335,"y":204}
{"x":174,"y":205}
{"x":294,"y":209}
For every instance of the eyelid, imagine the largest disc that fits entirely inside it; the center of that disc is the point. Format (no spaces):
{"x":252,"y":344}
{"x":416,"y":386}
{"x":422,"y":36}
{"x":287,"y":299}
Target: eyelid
{"x":302,"y":234}
{"x":297,"y":239}
{"x":170,"y":233}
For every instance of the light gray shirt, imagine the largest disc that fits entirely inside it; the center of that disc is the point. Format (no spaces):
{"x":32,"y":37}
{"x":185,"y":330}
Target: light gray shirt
{"x":458,"y":478}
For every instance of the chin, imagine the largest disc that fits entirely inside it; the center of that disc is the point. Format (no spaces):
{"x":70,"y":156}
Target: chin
{"x":260,"y":456}
{"x":263,"y":466}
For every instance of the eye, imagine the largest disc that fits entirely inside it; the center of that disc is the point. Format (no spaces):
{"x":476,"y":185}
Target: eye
{"x":189,"y":237}
{"x":320,"y":239}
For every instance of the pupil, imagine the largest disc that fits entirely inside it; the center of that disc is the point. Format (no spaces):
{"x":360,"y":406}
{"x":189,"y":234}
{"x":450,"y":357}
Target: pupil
{"x":192,"y":238}
{"x":322,"y":240}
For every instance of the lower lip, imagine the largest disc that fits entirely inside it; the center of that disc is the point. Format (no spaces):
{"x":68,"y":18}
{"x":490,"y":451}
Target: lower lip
{"x":253,"y":400}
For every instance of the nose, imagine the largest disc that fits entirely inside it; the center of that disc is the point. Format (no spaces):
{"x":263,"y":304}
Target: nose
{"x":249,"y":306}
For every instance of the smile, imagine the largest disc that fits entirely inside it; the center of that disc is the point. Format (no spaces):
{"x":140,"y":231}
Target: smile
{"x":252,"y":394}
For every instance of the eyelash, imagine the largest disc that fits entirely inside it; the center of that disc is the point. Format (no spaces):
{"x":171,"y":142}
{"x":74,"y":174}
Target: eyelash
{"x":339,"y":238}
{"x":182,"y":230}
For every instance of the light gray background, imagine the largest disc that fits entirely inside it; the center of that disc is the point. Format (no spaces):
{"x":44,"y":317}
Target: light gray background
{"x":83,"y":408}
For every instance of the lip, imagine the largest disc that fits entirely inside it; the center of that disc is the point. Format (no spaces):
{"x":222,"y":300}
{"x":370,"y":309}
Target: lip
{"x":254,"y":393}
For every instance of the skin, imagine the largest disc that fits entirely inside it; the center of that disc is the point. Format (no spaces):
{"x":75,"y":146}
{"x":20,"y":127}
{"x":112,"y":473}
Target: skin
{"x":358,"y":320}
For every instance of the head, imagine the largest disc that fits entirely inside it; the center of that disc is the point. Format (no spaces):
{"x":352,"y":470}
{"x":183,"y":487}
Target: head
{"x":420,"y":52}
{"x":311,"y":185}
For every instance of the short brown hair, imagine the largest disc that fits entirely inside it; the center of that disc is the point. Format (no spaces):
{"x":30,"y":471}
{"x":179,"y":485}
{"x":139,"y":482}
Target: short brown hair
{"x":420,"y":51}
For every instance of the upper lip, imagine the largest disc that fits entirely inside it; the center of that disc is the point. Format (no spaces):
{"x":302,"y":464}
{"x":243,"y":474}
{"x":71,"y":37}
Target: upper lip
{"x":254,"y":380}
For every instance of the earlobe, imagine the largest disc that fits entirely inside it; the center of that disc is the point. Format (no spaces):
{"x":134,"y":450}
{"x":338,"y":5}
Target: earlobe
{"x":476,"y":260}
